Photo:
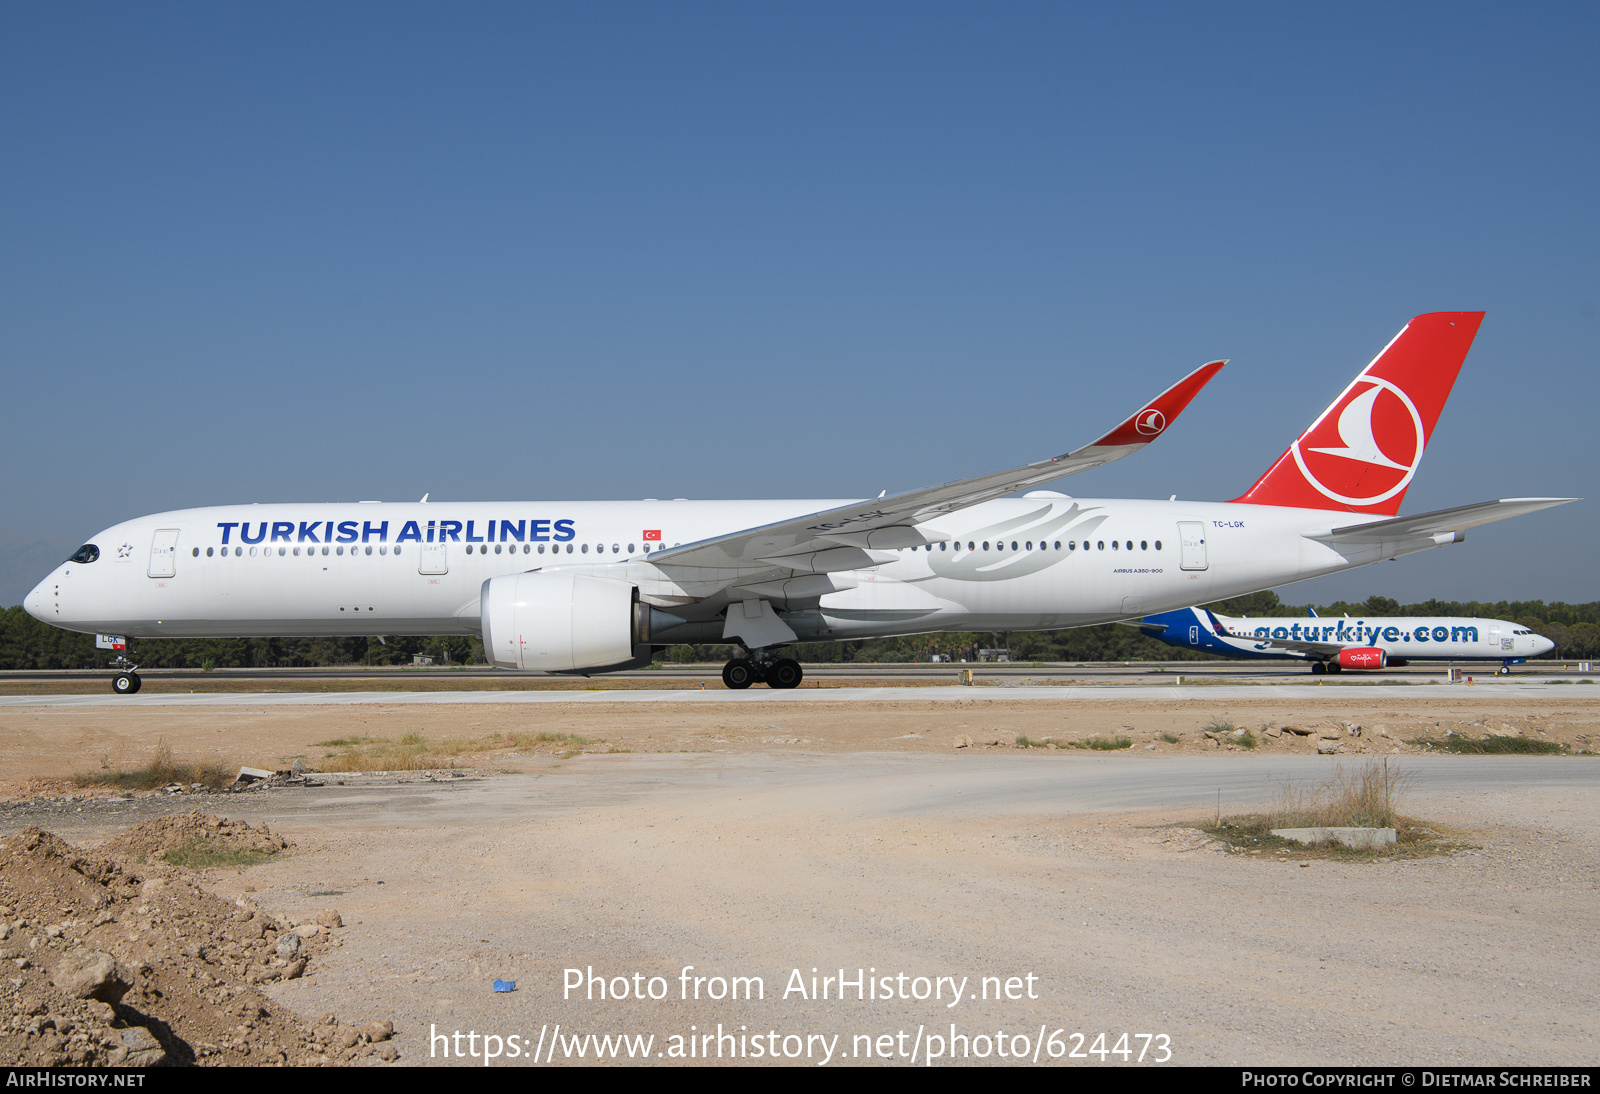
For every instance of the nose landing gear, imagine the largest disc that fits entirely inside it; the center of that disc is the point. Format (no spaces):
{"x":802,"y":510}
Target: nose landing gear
{"x":780,"y":673}
{"x":126,"y":681}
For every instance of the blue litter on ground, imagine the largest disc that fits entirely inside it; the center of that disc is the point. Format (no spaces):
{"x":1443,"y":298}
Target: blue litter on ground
{"x":505,"y":985}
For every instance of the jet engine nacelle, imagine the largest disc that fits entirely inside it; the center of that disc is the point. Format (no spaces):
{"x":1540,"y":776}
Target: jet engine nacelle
{"x":560,"y":622}
{"x":1364,"y":657}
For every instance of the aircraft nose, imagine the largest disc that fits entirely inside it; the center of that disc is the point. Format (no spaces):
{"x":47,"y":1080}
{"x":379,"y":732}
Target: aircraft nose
{"x":1541,"y":644}
{"x":37,"y":603}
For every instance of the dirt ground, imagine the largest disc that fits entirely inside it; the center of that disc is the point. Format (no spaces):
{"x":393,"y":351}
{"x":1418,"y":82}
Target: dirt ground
{"x":41,"y":749}
{"x":1066,"y":889}
{"x":122,"y":960}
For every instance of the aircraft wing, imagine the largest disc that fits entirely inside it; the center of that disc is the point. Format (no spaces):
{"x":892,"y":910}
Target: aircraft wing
{"x":844,"y":538}
{"x":1440,"y":523}
{"x":1318,"y":650}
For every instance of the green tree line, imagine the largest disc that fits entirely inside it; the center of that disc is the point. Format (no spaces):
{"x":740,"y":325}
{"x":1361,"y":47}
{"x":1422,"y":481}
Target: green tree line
{"x":26,"y":643}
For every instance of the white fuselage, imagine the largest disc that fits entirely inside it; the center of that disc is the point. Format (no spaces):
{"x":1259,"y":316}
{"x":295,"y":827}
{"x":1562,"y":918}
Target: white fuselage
{"x":1029,"y":563}
{"x":1409,"y":638}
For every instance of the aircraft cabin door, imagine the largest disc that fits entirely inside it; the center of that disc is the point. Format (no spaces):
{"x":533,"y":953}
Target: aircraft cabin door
{"x":1192,"y":545}
{"x":431,"y":559}
{"x":164,"y":553}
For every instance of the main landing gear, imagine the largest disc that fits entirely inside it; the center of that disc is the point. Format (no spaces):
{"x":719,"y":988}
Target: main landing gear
{"x":781,"y":673}
{"x":126,"y":681}
{"x":1318,"y":668}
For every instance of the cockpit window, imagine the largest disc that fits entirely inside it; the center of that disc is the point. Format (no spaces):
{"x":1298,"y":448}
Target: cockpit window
{"x":87,"y":553}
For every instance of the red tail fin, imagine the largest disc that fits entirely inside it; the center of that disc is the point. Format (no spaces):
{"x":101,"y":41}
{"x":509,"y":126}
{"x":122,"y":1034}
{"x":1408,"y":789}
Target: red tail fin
{"x":1362,"y":452}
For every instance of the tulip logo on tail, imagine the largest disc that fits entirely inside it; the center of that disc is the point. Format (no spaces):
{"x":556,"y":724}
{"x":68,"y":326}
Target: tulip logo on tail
{"x":1150,"y":422}
{"x":1362,"y":452}
{"x":1366,"y":448}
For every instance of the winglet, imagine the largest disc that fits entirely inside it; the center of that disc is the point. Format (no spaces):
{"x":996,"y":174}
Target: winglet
{"x":1153,"y":419}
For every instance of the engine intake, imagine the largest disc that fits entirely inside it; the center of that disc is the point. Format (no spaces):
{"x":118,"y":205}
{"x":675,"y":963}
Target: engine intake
{"x":558,"y":622}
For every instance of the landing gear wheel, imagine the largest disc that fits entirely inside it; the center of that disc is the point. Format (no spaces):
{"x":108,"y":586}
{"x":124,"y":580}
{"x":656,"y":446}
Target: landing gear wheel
{"x":784,"y":673}
{"x":1334,"y":666}
{"x":1504,"y":670}
{"x":125,"y":683}
{"x":1318,"y":668}
{"x":738,"y":674}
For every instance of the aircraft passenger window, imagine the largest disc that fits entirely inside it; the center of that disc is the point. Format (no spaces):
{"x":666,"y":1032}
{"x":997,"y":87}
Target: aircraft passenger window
{"x":1029,"y":545}
{"x":324,"y":550}
{"x":985,"y":545}
{"x":338,"y":550}
{"x":1013,"y":545}
{"x":237,"y":551}
{"x":208,"y":552}
{"x":1144,"y":545}
{"x":541,"y":548}
{"x":197,"y":552}
{"x":1158,"y":545}
{"x":1113,"y":545}
{"x":369,"y":550}
{"x":1058,"y":545}
{"x":85,"y":554}
{"x":385,"y":550}
{"x":496,"y":548}
{"x":942,"y":546}
{"x":585,"y":548}
{"x":252,"y":552}
{"x":397,"y":549}
{"x":969,"y":545}
{"x":616,"y":550}
{"x":1102,"y":545}
{"x":526,"y":547}
{"x":569,"y":548}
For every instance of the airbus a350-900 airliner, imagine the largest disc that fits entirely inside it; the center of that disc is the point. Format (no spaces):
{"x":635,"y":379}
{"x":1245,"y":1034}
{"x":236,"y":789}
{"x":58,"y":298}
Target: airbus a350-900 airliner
{"x":600,"y":585}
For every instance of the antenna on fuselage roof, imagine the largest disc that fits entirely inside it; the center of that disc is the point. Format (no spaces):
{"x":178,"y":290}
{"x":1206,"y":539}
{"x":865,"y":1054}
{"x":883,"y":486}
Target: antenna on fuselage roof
{"x":425,"y":496}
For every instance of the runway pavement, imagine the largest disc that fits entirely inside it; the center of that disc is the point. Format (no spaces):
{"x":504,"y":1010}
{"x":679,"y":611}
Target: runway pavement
{"x":1171,"y":692}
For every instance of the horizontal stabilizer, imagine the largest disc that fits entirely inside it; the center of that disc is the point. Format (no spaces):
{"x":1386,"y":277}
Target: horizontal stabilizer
{"x":1440,"y":522}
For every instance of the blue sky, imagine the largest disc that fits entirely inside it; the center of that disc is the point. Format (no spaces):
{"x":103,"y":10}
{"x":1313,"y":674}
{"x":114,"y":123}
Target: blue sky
{"x":331,"y":252}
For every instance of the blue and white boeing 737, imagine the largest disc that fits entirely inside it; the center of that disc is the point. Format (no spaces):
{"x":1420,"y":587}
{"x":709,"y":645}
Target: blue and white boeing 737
{"x":1336,"y":644}
{"x":595,"y":586}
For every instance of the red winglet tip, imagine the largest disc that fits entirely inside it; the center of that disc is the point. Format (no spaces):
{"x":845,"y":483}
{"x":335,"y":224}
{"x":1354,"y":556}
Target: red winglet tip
{"x":1159,"y":413}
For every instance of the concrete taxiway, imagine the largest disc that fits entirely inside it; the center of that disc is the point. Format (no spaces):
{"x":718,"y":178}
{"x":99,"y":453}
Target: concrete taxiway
{"x":1170,"y":693}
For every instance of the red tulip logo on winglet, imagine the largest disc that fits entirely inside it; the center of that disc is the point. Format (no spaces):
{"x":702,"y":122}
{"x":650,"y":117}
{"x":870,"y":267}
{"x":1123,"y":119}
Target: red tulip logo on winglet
{"x":1150,"y":422}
